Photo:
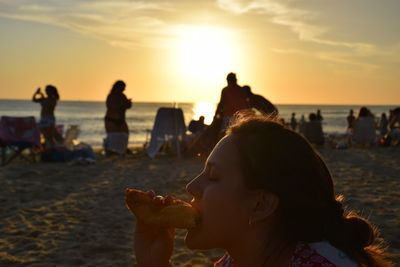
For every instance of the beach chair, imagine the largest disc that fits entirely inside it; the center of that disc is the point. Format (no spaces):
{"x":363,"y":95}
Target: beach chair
{"x":17,"y":135}
{"x":169,"y":125}
{"x":364,"y":131}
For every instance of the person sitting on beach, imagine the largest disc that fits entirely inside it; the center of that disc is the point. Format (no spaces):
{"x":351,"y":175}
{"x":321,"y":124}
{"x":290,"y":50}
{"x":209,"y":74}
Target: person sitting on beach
{"x":364,"y":131}
{"x":394,"y":126}
{"x":264,"y":213}
{"x":115,"y":123}
{"x":312,"y":130}
{"x":197,"y":126}
{"x":395,"y":118}
{"x":233,"y":99}
{"x":350,"y":120}
{"x":260,"y":103}
{"x":47,"y":123}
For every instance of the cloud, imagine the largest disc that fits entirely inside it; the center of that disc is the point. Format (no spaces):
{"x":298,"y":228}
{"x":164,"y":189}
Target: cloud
{"x":123,"y":23}
{"x":302,"y":23}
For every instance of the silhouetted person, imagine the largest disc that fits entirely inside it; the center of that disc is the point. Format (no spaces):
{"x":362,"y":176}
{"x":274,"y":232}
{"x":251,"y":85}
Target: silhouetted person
{"x":313,"y":130}
{"x":395,"y":118}
{"x":364,"y":112}
{"x":293,"y":122}
{"x":301,"y":124}
{"x":260,"y":103}
{"x":383,"y":125}
{"x":47,"y":122}
{"x":197,"y":126}
{"x":350,"y":119}
{"x":319,"y":116}
{"x":394,"y":125}
{"x":233,"y":99}
{"x":117,"y":104}
{"x":364,"y":131}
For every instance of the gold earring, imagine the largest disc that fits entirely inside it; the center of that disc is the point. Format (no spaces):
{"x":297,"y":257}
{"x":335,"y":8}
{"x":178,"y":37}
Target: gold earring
{"x":250,"y":222}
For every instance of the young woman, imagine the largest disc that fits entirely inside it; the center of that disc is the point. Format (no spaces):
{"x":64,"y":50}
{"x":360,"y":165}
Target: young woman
{"x":117,"y":104}
{"x":267,"y":198}
{"x":115,"y":120}
{"x":47,"y":119}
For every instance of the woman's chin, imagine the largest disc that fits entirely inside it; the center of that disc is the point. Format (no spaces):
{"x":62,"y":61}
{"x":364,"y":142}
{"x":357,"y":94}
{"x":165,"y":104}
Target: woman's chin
{"x":191,"y":238}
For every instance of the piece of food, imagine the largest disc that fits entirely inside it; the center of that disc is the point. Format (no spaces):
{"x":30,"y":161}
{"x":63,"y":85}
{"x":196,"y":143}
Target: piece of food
{"x":161,"y":211}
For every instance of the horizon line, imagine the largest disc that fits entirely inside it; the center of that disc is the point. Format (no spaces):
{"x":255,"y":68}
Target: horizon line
{"x":188,"y":102}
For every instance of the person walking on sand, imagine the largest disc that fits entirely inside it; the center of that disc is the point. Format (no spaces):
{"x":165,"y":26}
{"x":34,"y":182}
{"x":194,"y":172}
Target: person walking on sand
{"x":266,"y":207}
{"x":115,"y":120}
{"x":233,"y":99}
{"x":47,"y":123}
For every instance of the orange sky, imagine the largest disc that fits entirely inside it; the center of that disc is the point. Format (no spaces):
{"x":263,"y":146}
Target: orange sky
{"x":338,"y":52}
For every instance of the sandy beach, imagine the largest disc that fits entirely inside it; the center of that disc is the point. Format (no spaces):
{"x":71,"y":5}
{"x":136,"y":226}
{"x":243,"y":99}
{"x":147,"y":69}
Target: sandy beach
{"x":57,"y":214}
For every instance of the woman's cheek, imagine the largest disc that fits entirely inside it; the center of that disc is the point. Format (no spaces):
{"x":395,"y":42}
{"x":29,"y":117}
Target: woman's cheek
{"x":217,"y":205}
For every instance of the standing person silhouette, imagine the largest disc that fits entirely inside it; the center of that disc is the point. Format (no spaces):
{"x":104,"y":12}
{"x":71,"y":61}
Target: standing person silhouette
{"x":293,"y":122}
{"x":233,"y":99}
{"x":47,"y":122}
{"x":115,"y":119}
{"x":383,"y":125}
{"x":350,"y":119}
{"x":319,"y":116}
{"x":117,"y":104}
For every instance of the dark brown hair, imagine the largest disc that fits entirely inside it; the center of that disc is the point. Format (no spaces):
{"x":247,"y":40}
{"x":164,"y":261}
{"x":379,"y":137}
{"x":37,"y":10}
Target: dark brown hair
{"x":51,"y":91}
{"x":278,"y":160}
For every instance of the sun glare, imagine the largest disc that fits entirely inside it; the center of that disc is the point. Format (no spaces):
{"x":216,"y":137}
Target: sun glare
{"x":206,"y":54}
{"x":205,"y":109}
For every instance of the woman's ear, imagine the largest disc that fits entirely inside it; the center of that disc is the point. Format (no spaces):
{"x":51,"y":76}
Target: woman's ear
{"x":264,"y":207}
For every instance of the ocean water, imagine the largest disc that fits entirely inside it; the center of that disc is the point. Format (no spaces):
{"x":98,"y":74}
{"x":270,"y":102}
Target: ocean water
{"x":140,"y":118}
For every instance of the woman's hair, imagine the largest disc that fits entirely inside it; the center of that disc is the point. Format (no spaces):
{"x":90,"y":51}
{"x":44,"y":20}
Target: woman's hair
{"x":118,"y":87}
{"x":280,"y":161}
{"x":51,"y":91}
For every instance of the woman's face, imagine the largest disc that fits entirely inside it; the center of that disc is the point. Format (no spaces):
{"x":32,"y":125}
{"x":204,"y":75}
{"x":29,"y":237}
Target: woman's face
{"x":222,"y":199}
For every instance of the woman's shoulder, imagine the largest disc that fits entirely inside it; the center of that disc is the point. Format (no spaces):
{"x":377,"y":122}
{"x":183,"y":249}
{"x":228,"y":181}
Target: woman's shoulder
{"x":320,"y":254}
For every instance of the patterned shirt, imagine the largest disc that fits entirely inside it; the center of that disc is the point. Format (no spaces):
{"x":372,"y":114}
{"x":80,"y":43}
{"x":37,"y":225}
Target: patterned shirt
{"x":320,"y":254}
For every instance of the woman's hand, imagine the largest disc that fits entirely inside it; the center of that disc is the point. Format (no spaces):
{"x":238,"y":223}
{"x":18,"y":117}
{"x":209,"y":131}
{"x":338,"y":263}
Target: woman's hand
{"x":153,"y":244}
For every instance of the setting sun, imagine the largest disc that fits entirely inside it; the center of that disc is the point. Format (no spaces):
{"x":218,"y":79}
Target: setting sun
{"x":205,"y":54}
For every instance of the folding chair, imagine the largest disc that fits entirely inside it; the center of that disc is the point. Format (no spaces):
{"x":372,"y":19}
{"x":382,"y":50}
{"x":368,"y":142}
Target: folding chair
{"x":18,"y":134}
